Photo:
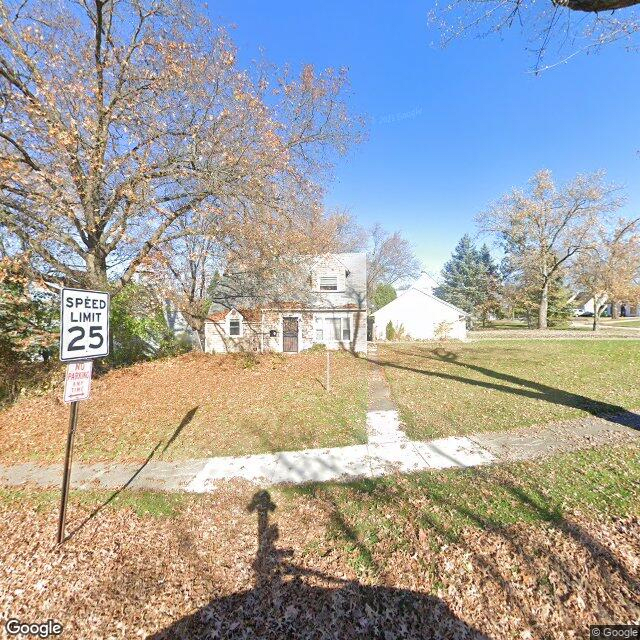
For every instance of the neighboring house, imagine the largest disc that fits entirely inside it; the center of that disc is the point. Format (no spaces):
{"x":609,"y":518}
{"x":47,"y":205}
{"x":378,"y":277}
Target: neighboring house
{"x":586,"y":305}
{"x":329,"y":308}
{"x":418,"y":314}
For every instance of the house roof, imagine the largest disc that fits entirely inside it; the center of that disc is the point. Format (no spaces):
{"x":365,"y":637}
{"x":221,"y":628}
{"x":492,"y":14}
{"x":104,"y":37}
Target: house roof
{"x":254,"y":314}
{"x":416,"y":287}
{"x":250,"y":315}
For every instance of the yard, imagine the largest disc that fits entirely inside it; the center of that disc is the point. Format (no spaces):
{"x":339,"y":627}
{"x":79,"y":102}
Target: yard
{"x":530,"y":550}
{"x":495,"y":385}
{"x":197,"y":406}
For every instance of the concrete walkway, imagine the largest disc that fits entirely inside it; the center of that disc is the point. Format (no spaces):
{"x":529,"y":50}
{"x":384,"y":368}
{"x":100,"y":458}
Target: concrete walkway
{"x":387,"y":451}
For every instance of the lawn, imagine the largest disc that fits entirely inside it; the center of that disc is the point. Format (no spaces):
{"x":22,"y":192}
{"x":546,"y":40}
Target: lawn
{"x":510,"y":552}
{"x":196,"y":406}
{"x":496,"y":385}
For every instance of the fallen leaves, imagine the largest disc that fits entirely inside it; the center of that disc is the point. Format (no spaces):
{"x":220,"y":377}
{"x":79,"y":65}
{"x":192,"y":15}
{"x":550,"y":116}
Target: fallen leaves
{"x":214,"y":571}
{"x":200,"y":405}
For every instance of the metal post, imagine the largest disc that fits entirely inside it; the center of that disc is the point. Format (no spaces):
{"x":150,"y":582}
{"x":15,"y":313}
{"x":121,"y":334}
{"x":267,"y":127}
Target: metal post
{"x":328,"y":385}
{"x":73,"y":421}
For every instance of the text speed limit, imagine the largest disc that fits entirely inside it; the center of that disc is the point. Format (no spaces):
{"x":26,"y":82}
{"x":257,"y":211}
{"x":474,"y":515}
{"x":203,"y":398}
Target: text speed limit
{"x":84,"y":325}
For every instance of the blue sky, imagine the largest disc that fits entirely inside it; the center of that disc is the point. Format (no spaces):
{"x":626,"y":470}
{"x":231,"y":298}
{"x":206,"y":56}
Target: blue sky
{"x":450,"y":129}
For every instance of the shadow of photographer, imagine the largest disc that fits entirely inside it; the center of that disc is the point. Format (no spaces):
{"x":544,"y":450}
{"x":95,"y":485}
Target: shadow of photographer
{"x":288,"y":601}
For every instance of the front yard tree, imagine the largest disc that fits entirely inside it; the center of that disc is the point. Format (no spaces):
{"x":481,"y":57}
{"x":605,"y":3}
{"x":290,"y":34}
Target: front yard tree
{"x":251,"y":245}
{"x":543,"y":227}
{"x":120,"y":118}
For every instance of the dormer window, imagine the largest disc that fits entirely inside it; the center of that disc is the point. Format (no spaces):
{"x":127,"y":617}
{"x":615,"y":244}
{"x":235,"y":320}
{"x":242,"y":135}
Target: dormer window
{"x":328,"y":283}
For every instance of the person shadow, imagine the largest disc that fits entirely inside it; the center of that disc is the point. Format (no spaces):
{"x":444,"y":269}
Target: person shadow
{"x":293,"y":602}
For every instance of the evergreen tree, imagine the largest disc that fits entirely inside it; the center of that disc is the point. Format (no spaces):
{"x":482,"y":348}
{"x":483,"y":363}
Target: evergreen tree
{"x":382,"y":295}
{"x":471,"y":280}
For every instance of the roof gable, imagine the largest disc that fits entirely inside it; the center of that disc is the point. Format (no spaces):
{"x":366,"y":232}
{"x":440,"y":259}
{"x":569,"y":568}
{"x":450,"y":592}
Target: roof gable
{"x":429,"y":295}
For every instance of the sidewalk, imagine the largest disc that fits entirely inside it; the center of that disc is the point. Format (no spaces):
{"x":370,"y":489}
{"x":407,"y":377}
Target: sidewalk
{"x":387,"y":451}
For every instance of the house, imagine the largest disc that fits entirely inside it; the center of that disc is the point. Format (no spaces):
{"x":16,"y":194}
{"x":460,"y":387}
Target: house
{"x":327,"y":305}
{"x":418,"y":314}
{"x":585,"y":305}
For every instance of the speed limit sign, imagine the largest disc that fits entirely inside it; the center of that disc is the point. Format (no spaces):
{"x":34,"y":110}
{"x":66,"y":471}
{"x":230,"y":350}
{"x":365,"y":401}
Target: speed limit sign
{"x":84,"y":325}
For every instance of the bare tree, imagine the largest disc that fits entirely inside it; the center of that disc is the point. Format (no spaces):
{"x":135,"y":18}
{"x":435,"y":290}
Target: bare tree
{"x":390,"y":259}
{"x":122,"y":121}
{"x":252,"y":246}
{"x":610,"y":270}
{"x":543,"y":227}
{"x":570,"y":27}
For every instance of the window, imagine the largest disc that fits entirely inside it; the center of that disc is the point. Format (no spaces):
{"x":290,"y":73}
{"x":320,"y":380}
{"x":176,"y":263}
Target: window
{"x":332,"y":326}
{"x":234,"y":327}
{"x":328,"y":283}
{"x":346,"y":329}
{"x":334,"y":329}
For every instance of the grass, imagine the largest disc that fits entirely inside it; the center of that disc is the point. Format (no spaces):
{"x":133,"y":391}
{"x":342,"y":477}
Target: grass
{"x":143,"y":503}
{"x":495,"y":385}
{"x":197,"y":406}
{"x":599,"y":482}
{"x":514,"y":325}
{"x":503,"y":324}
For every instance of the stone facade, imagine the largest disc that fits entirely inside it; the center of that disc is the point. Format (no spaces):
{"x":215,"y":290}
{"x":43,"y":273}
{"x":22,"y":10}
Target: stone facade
{"x":266,"y":334}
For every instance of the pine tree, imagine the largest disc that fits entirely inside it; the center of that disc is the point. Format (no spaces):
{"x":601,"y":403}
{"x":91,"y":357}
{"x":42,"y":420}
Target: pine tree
{"x":471,"y":280}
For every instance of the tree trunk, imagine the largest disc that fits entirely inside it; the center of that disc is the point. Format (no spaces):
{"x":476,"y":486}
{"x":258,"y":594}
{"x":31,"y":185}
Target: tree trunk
{"x":597,"y":310}
{"x":544,"y":307}
{"x":615,"y":310}
{"x":96,"y":277}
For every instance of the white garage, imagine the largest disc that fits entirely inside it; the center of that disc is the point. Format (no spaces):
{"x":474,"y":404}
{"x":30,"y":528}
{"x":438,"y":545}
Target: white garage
{"x":419,"y":315}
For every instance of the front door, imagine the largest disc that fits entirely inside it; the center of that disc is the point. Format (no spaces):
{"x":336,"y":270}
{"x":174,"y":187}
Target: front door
{"x":290,"y":335}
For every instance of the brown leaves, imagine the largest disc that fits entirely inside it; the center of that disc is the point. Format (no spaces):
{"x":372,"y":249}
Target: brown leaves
{"x":195,"y":576}
{"x":239,"y":410}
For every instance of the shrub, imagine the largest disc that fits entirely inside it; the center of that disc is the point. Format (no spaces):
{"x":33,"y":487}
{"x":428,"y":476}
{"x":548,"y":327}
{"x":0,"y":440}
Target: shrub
{"x":443,"y":330}
{"x":139,"y":330}
{"x":390,"y":331}
{"x":318,"y":346}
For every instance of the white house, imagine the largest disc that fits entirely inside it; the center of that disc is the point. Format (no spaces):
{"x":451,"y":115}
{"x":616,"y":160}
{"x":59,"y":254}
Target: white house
{"x":418,"y":314}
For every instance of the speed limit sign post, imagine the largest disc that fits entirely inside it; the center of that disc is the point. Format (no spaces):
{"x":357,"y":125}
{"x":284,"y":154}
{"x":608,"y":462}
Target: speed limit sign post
{"x":84,"y":336}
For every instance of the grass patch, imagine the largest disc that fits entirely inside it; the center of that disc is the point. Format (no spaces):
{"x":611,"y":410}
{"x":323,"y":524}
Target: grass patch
{"x":632,"y":324}
{"x":496,"y":385}
{"x":197,"y":406}
{"x":389,"y":513}
{"x":504,"y":324}
{"x":511,"y":325}
{"x":143,"y":503}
